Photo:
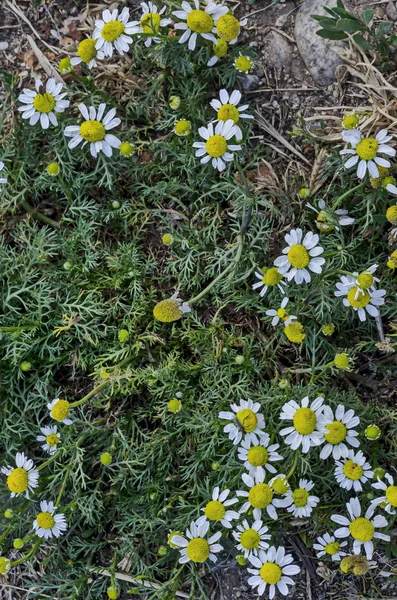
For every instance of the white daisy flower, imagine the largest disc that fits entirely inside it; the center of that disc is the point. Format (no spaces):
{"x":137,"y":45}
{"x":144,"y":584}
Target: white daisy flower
{"x":338,"y":431}
{"x":94,"y":130}
{"x":51,"y":437}
{"x":195,"y":547}
{"x":353,"y":470}
{"x":2,"y":179}
{"x":299,"y":256}
{"x":150,"y":22}
{"x":215,"y":148}
{"x":245,"y":421}
{"x":227,"y":108}
{"x":364,"y":301}
{"x":273,"y":568}
{"x":228,"y":27}
{"x":328,"y":546}
{"x":389,"y":500}
{"x":269,"y":278}
{"x":362,"y":281}
{"x":366,"y":151}
{"x":301,"y":502}
{"x":43,"y":105}
{"x":279,"y":484}
{"x":23,"y":478}
{"x":113,"y":31}
{"x":59,"y":410}
{"x":329,"y":219}
{"x":87,"y":53}
{"x":260,"y":496}
{"x":257,"y":454}
{"x":47,"y":524}
{"x":307,"y":423}
{"x":217,"y":509}
{"x":220,"y":50}
{"x":280,"y":313}
{"x":251,"y":538}
{"x":362,"y":529}
{"x":199,"y":22}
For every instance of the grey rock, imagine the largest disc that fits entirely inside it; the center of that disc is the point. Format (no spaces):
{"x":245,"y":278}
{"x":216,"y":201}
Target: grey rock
{"x":279,"y":51}
{"x":3,"y":45}
{"x":391,"y":11}
{"x":320,"y":60}
{"x":249,"y":81}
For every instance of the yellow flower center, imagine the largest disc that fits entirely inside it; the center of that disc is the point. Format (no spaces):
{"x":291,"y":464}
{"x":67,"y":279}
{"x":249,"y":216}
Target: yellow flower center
{"x":257,"y":456}
{"x":391,"y":214}
{"x":372,"y":432}
{"x":332,"y":548}
{"x":44,"y":103}
{"x":182,"y":127}
{"x":60,"y":410}
{"x":167,"y":311}
{"x":282,"y":314}
{"x":280,"y":485}
{"x":365,"y":280}
{"x":228,"y":111}
{"x":52,"y":439}
{"x":150,"y":23}
{"x":53,"y":169}
{"x":362,"y":298}
{"x":342,"y":361}
{"x":350,"y":121}
{"x":271,"y":573}
{"x":86,"y":50}
{"x":220,"y":48}
{"x":5,"y":565}
{"x":362,"y":529}
{"x":328,"y":329}
{"x":112,"y":30}
{"x":215,"y":511}
{"x":295,"y":332}
{"x":366,"y":149}
{"x":216,"y":146}
{"x":92,"y":131}
{"x":250,"y":539}
{"x":126,"y":149}
{"x":305,"y":421}
{"x":45,"y":520}
{"x":298,"y":256}
{"x":248,"y":419}
{"x":271,"y":276}
{"x":65,"y":65}
{"x":243,"y":63}
{"x":198,"y":550}
{"x":260,"y":495}
{"x":228,"y":28}
{"x":352,"y":470}
{"x":174,"y":405}
{"x":336,"y":432}
{"x":391,"y":495}
{"x":17,"y":481}
{"x":200,"y":21}
{"x":300,"y":497}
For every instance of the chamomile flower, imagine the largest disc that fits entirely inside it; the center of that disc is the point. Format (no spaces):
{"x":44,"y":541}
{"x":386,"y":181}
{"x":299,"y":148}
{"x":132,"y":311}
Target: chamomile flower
{"x":260,"y":496}
{"x":215,"y":148}
{"x":389,"y":499}
{"x":51,"y":437}
{"x":42,"y":105}
{"x":228,"y":27}
{"x":243,"y":63}
{"x":307,"y":419}
{"x":171,"y":309}
{"x":259,"y":454}
{"x":198,"y":21}
{"x":251,"y":538}
{"x":227,"y":108}
{"x":195,"y":547}
{"x":269,"y":278}
{"x":363,"y":530}
{"x":2,"y":179}
{"x":300,"y":256}
{"x":87,"y":53}
{"x":23,"y":478}
{"x":246,"y":422}
{"x":280,"y":484}
{"x":352,"y":471}
{"x":301,"y":502}
{"x":59,"y":410}
{"x":338,"y":431}
{"x":220,"y":50}
{"x":273,"y":569}
{"x":363,"y":281}
{"x":365,"y":151}
{"x":48,"y":523}
{"x":94,"y":130}
{"x":328,"y":546}
{"x":361,"y":300}
{"x":280,"y":313}
{"x":328,"y":219}
{"x":217,"y":509}
{"x":113,"y":32}
{"x":150,"y":22}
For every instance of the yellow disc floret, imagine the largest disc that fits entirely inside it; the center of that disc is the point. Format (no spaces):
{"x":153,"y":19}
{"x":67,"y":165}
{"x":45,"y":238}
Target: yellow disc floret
{"x":92,"y":131}
{"x":295,"y":332}
{"x":215,"y":511}
{"x":336,"y":432}
{"x":352,"y":470}
{"x":350,"y":121}
{"x":365,"y":280}
{"x":248,"y":419}
{"x":150,"y":22}
{"x":362,"y":529}
{"x":367,"y":148}
{"x":216,"y":146}
{"x":342,"y":361}
{"x":243,"y":64}
{"x":200,"y":21}
{"x":305,"y":421}
{"x":332,"y":548}
{"x":86,"y":50}
{"x":220,"y":48}
{"x":17,"y":481}
{"x":250,"y":539}
{"x":362,"y":299}
{"x":53,"y":169}
{"x":127,"y":149}
{"x":260,"y":495}
{"x":228,"y":28}
{"x":167,"y":311}
{"x":44,"y":103}
{"x":257,"y":456}
{"x":328,"y":329}
{"x":372,"y":432}
{"x":391,"y":495}
{"x":271,"y":573}
{"x":45,"y":520}
{"x":182,"y":127}
{"x":60,"y":410}
{"x":391,"y":214}
{"x":282,"y":314}
{"x":174,"y":405}
{"x":280,"y":485}
{"x":52,"y":439}
{"x":228,"y":111}
{"x":298,"y":256}
{"x":300,"y":497}
{"x":271,"y":276}
{"x":112,"y":30}
{"x":198,"y":550}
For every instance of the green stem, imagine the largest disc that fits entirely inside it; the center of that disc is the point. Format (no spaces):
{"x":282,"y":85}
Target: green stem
{"x":346,"y":194}
{"x":47,"y":462}
{"x":28,"y":555}
{"x":36,"y":213}
{"x":294,"y":464}
{"x":17,"y":329}
{"x":315,"y":378}
{"x":59,"y":497}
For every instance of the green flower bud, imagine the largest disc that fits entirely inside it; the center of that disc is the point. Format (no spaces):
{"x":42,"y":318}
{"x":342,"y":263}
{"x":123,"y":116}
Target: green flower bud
{"x":5,"y":565}
{"x":67,"y":265}
{"x":241,"y":560}
{"x":305,"y":193}
{"x":162,"y":551}
{"x":112,"y":592}
{"x":106,"y":458}
{"x":379,"y":473}
{"x":123,"y":336}
{"x":8,"y":514}
{"x":25,"y":366}
{"x":18,"y":543}
{"x":116,"y":204}
{"x":239,"y":360}
{"x":215,"y":466}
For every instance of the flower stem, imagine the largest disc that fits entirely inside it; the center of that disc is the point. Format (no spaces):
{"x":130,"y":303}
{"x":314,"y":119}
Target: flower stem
{"x":346,"y":194}
{"x":28,"y":555}
{"x":294,"y":465}
{"x":36,"y":213}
